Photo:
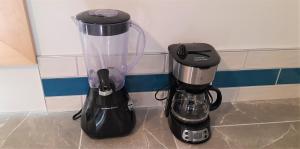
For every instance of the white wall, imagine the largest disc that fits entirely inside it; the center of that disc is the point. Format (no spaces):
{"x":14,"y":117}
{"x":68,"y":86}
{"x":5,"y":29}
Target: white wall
{"x":230,"y":24}
{"x":21,"y":89}
{"x":298,"y":23}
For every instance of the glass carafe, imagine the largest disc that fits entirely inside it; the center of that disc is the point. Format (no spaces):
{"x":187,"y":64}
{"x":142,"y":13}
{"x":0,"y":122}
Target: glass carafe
{"x":189,"y":107}
{"x":104,"y":35}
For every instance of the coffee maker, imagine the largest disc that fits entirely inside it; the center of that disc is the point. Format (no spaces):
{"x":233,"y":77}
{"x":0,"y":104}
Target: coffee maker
{"x":108,"y":110}
{"x":192,"y":68}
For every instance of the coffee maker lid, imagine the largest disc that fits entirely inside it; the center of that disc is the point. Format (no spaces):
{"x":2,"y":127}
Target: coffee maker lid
{"x":200,"y":55}
{"x":104,"y":22}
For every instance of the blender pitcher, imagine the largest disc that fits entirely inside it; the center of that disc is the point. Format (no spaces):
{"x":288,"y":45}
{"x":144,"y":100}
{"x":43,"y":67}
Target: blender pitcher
{"x":104,"y":34}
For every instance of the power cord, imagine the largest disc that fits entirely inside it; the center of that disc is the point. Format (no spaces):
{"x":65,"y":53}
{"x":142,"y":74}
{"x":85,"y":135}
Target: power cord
{"x":77,"y":115}
{"x":159,"y":90}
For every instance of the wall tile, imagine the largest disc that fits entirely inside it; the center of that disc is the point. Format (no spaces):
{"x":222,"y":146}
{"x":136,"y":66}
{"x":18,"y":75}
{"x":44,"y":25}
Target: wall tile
{"x":65,"y":86}
{"x":149,"y":64}
{"x":269,"y":92}
{"x":144,"y":99}
{"x":81,"y":66}
{"x":63,"y":103}
{"x":225,"y":27}
{"x":289,"y":76}
{"x":232,"y":60}
{"x":246,"y":78}
{"x":230,"y":94}
{"x":55,"y":67}
{"x":167,"y":63}
{"x":273,"y":59}
{"x":21,"y":89}
{"x":144,"y":83}
{"x":58,"y":35}
{"x":83,"y":98}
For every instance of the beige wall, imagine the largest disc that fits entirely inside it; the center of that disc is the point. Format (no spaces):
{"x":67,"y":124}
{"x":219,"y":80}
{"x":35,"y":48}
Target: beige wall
{"x":298,"y":23}
{"x":16,"y":46}
{"x":227,"y":24}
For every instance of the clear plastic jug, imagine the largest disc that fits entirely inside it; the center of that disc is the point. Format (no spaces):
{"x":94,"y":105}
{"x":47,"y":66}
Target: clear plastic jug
{"x":104,"y":35}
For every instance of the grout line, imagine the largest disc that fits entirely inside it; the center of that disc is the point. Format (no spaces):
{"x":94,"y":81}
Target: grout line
{"x":145,"y":117}
{"x":143,"y":128}
{"x":3,"y":141}
{"x":76,"y":55}
{"x":77,"y":68}
{"x":246,"y":58}
{"x":278,"y":138}
{"x":278,"y":75}
{"x":165,"y":63}
{"x":156,"y":139}
{"x":175,"y":141}
{"x":41,"y":84}
{"x":237,"y":95}
{"x":80,"y":139}
{"x":249,"y":124}
{"x":147,"y":140}
{"x":163,"y":52}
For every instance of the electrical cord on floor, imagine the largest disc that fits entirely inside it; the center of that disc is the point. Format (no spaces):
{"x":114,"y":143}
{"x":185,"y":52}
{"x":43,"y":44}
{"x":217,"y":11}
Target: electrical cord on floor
{"x":159,"y":90}
{"x":77,"y":115}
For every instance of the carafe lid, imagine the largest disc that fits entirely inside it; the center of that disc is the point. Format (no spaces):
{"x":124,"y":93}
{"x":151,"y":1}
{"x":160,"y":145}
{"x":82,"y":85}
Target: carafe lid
{"x":103,"y":22}
{"x":199,"y":55}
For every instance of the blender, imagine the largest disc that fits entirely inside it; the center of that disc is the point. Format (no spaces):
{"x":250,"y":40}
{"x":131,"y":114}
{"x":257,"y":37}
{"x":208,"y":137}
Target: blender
{"x":107,"y":111}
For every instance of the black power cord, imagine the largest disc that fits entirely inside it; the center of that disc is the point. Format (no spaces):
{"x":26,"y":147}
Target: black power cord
{"x":77,"y":115}
{"x":159,"y":90}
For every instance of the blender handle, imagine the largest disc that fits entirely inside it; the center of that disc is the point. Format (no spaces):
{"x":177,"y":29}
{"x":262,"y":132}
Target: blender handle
{"x":217,"y":103}
{"x":139,"y":47}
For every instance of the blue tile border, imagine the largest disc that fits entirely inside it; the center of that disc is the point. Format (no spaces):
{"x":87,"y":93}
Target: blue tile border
{"x":65,"y":86}
{"x":246,"y":78}
{"x":289,"y":76}
{"x":146,"y":83}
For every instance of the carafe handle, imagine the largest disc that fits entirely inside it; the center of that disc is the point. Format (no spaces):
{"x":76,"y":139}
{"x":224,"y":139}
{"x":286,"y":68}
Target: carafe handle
{"x":217,"y":103}
{"x":141,"y":41}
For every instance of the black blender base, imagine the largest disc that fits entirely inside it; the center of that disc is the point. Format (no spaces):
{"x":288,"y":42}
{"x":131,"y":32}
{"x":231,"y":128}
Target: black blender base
{"x":190,"y":133}
{"x":114,"y":121}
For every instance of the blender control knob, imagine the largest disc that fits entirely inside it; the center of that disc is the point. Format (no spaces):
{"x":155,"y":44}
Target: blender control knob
{"x":181,"y":52}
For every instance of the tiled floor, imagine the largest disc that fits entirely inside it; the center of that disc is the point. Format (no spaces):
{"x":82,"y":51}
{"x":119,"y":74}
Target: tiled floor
{"x":273,"y":124}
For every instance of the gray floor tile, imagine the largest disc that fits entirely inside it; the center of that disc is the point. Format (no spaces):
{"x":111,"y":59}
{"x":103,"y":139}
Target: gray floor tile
{"x":256,"y":112}
{"x":8,"y":122}
{"x":157,"y":126}
{"x":156,"y":120}
{"x":229,"y":113}
{"x":163,"y":137}
{"x":273,"y":136}
{"x":153,"y":143}
{"x":288,"y":140}
{"x":136,"y":140}
{"x":58,"y":130}
{"x":54,"y":130}
{"x":282,"y":135}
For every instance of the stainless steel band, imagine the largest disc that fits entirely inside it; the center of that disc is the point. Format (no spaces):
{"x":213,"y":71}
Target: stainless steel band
{"x":193,"y":75}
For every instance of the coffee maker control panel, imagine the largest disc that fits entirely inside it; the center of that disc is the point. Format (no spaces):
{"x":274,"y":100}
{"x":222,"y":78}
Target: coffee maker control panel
{"x":195,"y":136}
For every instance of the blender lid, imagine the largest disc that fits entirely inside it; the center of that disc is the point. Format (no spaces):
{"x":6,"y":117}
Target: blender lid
{"x":103,"y":22}
{"x":103,"y":16}
{"x":199,"y":55}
